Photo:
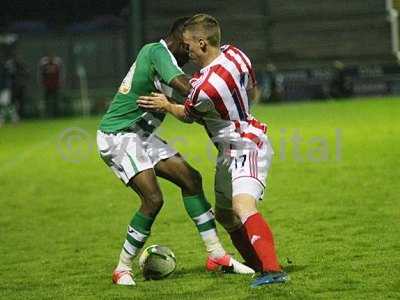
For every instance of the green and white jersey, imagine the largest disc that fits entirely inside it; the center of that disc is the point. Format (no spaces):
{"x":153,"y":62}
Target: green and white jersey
{"x":155,"y":67}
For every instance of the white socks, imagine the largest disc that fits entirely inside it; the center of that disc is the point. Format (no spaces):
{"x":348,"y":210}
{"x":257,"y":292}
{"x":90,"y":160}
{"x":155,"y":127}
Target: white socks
{"x":212,"y":243}
{"x":125,"y":261}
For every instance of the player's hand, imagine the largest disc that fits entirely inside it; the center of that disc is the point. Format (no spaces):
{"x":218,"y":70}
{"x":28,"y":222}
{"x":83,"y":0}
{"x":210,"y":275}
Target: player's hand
{"x":156,"y":102}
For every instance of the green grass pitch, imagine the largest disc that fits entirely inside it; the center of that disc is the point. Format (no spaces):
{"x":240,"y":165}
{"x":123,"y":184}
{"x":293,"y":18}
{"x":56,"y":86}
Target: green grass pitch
{"x":333,"y":202}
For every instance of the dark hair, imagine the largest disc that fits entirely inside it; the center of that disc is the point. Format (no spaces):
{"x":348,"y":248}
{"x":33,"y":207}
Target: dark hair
{"x":176,"y":28}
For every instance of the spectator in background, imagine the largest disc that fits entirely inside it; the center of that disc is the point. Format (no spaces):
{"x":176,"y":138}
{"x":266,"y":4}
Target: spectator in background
{"x":7,"y":107}
{"x":51,"y":77}
{"x":273,"y":84}
{"x":19,"y":76}
{"x":341,"y":85}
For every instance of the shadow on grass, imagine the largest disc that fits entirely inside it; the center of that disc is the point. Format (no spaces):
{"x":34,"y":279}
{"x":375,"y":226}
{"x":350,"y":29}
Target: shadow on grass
{"x":189,"y":271}
{"x":291,"y":268}
{"x":294,"y":268}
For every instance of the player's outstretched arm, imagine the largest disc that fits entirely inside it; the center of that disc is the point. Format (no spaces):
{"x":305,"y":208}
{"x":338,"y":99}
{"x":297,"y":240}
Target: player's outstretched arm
{"x":254,"y":94}
{"x":181,"y":84}
{"x":159,"y":102}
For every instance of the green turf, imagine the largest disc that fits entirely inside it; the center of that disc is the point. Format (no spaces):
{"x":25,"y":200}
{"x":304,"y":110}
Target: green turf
{"x":333,"y":202}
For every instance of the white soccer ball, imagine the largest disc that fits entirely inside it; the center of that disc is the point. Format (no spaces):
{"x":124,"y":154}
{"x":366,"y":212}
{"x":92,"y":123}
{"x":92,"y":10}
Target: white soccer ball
{"x":157,"y":262}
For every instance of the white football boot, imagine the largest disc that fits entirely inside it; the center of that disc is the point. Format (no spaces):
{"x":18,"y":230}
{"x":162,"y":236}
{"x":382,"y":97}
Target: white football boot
{"x":229,"y":264}
{"x":123,"y":277}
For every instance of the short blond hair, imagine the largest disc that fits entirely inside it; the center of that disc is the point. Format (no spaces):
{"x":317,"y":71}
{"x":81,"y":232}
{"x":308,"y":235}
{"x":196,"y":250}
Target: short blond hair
{"x":206,"y":26}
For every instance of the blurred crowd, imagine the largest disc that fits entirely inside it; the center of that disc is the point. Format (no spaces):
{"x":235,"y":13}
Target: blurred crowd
{"x":275,"y":85}
{"x":16,"y":100}
{"x":14,"y":76}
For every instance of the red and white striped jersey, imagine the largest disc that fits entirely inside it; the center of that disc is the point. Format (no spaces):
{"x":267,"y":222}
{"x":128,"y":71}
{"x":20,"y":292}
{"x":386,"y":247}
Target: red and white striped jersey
{"x":220,"y":102}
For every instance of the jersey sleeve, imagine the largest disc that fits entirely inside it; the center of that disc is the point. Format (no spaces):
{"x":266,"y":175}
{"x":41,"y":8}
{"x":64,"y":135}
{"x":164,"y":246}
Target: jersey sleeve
{"x":197,"y":104}
{"x":165,"y":64}
{"x":248,"y":68}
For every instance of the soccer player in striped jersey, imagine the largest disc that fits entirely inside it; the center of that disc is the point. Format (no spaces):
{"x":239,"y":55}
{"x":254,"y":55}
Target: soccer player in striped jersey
{"x":219,"y":101}
{"x":128,"y":145}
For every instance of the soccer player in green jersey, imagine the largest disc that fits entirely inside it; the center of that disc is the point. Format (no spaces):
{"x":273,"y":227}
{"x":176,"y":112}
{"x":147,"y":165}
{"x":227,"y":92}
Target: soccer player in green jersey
{"x":128,"y":145}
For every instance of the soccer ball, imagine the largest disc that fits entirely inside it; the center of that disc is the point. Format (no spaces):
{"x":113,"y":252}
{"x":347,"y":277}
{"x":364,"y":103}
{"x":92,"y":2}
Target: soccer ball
{"x":157,"y":262}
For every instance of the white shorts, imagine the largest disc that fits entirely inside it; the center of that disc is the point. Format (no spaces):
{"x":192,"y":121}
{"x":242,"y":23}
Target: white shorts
{"x":242,"y":172}
{"x":129,"y":153}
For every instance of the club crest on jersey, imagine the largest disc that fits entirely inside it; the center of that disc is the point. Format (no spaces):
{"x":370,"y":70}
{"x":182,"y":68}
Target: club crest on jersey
{"x":126,"y":84}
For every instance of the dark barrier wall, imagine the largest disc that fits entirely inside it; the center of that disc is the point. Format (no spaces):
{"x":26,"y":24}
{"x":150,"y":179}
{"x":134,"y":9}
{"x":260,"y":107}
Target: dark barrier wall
{"x":284,"y":35}
{"x":103,"y":54}
{"x":293,"y":33}
{"x":95,"y":61}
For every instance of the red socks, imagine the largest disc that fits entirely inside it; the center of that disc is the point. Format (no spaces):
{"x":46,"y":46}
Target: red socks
{"x":260,"y":236}
{"x":241,"y":242}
